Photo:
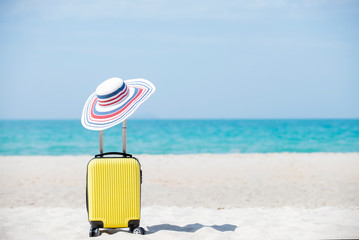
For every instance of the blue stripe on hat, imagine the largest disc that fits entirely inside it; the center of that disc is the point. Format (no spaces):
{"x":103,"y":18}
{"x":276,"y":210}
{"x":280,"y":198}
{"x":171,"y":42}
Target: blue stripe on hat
{"x":116,"y":109}
{"x":112,"y":94}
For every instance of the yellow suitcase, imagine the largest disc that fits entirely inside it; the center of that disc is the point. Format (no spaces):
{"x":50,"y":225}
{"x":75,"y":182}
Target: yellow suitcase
{"x":113,"y":192}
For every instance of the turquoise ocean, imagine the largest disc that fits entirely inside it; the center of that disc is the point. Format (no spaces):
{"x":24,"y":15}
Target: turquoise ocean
{"x":68,"y":137}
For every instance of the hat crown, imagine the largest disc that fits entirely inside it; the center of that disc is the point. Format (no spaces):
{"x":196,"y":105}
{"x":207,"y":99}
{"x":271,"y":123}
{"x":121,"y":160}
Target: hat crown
{"x":111,"y":92}
{"x":108,"y":86}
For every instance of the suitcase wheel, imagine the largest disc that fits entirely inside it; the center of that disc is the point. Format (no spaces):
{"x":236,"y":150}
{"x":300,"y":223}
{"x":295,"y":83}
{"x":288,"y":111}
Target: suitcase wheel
{"x":94,"y":232}
{"x":139,"y":230}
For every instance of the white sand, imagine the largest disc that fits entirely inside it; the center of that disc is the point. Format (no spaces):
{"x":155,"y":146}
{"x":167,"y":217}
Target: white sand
{"x":234,"y":196}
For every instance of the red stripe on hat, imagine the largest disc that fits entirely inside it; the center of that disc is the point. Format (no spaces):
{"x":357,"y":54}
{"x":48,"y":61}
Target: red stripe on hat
{"x":115,"y":113}
{"x":139,"y":94}
{"x":103,"y":105}
{"x":121,"y":95}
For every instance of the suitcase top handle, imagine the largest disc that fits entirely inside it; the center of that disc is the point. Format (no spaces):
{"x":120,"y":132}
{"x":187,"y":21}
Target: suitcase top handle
{"x":124,"y":139}
{"x":113,"y":153}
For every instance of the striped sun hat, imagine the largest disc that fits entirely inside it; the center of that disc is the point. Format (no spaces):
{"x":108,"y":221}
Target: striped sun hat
{"x":114,"y":101}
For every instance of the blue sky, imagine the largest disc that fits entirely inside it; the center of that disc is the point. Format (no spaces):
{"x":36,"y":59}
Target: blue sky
{"x":208,"y":59}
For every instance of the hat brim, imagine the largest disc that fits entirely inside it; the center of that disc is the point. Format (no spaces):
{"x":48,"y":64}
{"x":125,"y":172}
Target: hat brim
{"x":99,"y":118}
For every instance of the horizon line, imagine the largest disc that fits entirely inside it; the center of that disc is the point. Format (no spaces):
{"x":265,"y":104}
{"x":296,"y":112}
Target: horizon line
{"x":177,"y":119}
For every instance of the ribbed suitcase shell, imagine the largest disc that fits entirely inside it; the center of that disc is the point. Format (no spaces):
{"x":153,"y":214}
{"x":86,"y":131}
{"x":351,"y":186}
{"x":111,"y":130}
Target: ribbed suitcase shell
{"x":113,"y":191}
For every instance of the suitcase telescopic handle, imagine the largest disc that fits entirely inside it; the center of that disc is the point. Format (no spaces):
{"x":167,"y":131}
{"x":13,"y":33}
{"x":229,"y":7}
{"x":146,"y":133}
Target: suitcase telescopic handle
{"x":113,"y":153}
{"x":124,"y":139}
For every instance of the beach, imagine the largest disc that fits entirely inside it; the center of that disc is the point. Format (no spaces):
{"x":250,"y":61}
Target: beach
{"x":200,"y":196}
